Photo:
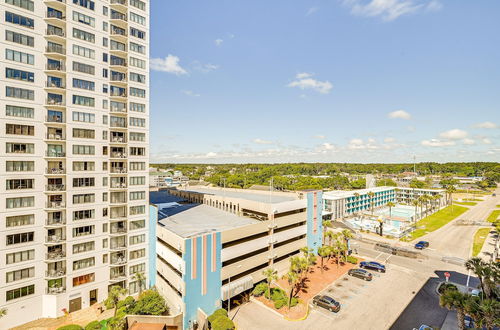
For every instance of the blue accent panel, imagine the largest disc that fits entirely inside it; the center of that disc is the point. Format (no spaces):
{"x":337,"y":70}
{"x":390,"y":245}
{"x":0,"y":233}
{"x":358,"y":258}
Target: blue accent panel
{"x":314,"y":240}
{"x":193,"y":298}
{"x":153,"y":220}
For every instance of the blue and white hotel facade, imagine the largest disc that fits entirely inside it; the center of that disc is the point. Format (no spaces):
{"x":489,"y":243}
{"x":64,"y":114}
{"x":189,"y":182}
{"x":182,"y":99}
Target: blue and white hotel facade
{"x":214,"y":244}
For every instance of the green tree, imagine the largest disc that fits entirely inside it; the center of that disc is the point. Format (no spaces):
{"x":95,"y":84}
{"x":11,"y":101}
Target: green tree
{"x":140,"y":278}
{"x":414,"y":183}
{"x":270,"y":275}
{"x":292,"y":279}
{"x":114,"y":295}
{"x":455,"y":300}
{"x":323,"y":252}
{"x":415,"y":203}
{"x":449,"y":191}
{"x":371,"y":194}
{"x":150,"y":302}
{"x":478,"y":266}
{"x":390,"y":205}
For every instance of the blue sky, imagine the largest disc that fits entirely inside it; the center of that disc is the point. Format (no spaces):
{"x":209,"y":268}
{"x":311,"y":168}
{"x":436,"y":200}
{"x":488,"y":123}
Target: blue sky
{"x":325,"y":81}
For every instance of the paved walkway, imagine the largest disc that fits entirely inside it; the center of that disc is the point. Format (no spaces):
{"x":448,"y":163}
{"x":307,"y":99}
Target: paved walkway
{"x":489,"y":246}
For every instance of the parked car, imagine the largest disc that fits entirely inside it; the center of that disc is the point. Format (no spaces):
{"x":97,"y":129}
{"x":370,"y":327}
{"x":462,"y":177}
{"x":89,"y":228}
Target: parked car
{"x":422,"y":245}
{"x":424,"y":327}
{"x":360,"y":273}
{"x":373,"y":266}
{"x":469,"y":322}
{"x":327,"y":303}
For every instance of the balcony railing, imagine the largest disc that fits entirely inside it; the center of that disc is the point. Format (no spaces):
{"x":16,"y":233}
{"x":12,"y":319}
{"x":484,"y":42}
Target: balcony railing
{"x":118,"y":231}
{"x":58,"y":255}
{"x":55,"y":205}
{"x":118,"y":246}
{"x":55,"y":49}
{"x":55,"y":154}
{"x":55,"y":171}
{"x":53,"y":84}
{"x":119,"y":16}
{"x":55,"y":67}
{"x":55,"y":32}
{"x":55,"y":273}
{"x":119,"y":2}
{"x":55,"y":14}
{"x":118,"y":93}
{"x":118,"y":62}
{"x":55,"y":238}
{"x":117,"y":276}
{"x":118,"y":139}
{"x":55,"y":102}
{"x":54,"y":119}
{"x":55,"y":222}
{"x":118,"y":260}
{"x":55,"y":187}
{"x":118,"y":155}
{"x":118,"y":170}
{"x":118,"y":185}
{"x":54,"y":136}
{"x":56,"y":290}
{"x":117,"y":31}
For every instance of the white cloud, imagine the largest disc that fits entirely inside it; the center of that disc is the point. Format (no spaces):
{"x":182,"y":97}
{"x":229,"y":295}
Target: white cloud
{"x":486,"y":141}
{"x":190,"y":93}
{"x":328,"y":146}
{"x":312,"y":10}
{"x":168,"y":64}
{"x":218,"y":42}
{"x":399,"y":114}
{"x":454,"y":134}
{"x":390,"y":10}
{"x":261,"y":141}
{"x":468,"y":141}
{"x":486,"y":124}
{"x":304,"y":81}
{"x":359,"y":144}
{"x":437,"y":143}
{"x":319,"y":136}
{"x":389,"y":140}
{"x":211,"y":154}
{"x":205,"y":68}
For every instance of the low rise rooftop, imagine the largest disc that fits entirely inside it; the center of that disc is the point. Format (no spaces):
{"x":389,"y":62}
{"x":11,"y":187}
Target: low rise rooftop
{"x":252,"y":195}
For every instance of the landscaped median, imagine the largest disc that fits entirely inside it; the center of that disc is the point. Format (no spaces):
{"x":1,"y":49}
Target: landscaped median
{"x":494,"y":216}
{"x":437,"y":220}
{"x":465,"y":203}
{"x":479,"y":239}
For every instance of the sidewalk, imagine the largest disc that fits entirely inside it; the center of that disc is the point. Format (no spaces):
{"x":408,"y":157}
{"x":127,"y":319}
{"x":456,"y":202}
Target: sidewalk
{"x":488,"y":246}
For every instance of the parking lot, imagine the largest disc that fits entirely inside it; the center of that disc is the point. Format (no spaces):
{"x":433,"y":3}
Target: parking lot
{"x":364,"y":305}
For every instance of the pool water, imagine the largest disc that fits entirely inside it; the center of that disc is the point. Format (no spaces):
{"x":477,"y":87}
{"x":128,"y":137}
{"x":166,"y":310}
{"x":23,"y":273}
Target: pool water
{"x":400,"y":211}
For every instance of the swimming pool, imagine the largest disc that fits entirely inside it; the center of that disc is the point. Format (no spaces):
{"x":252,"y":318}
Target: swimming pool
{"x":400,"y":211}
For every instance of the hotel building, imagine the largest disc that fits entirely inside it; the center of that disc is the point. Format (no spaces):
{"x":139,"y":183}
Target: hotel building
{"x":213,"y":244}
{"x":74,"y":110}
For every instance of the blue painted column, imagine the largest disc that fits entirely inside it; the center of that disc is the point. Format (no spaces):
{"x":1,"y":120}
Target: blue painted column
{"x":314,"y":220}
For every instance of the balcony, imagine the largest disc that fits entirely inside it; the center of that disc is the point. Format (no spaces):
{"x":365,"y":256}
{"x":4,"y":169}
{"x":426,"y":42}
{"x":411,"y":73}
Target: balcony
{"x":118,"y":231}
{"x":55,"y":34}
{"x":56,"y":4}
{"x":118,"y":139}
{"x":55,"y":205}
{"x":120,"y":5}
{"x":55,"y":136}
{"x":55,"y":187}
{"x":56,"y":18}
{"x":118,"y":185}
{"x":56,"y":290}
{"x":55,"y":86}
{"x":118,"y":277}
{"x":118,"y":155}
{"x":118,"y":259}
{"x":55,"y":273}
{"x":117,"y":94}
{"x":55,"y":256}
{"x":118,"y":63}
{"x":55,"y":50}
{"x":55,"y":222}
{"x":55,"y":103}
{"x":58,"y":67}
{"x":54,"y":239}
{"x":55,"y":119}
{"x":55,"y":171}
{"x":118,"y":247}
{"x":55,"y":154}
{"x":118,"y":18}
{"x":118,"y":170}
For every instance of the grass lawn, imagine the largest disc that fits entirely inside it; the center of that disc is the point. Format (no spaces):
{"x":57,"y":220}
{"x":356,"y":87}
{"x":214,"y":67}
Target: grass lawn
{"x":479,"y":238}
{"x":437,"y":220}
{"x":465,"y":203}
{"x":498,"y":205}
{"x":473,"y":199}
{"x":494,"y":216}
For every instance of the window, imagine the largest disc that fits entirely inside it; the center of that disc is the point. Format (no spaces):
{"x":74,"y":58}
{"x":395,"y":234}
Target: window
{"x":83,"y":68}
{"x":105,"y":42}
{"x":137,"y":33}
{"x":20,"y":292}
{"x":137,"y":107}
{"x":83,"y":247}
{"x":138,"y":4}
{"x":136,"y":151}
{"x":83,"y":133}
{"x":14,"y":184}
{"x":83,"y":214}
{"x":20,"y":274}
{"x":137,"y":18}
{"x":83,"y":150}
{"x":20,"y":238}
{"x":15,"y":257}
{"x":83,"y":35}
{"x":16,"y":129}
{"x":20,"y":20}
{"x":83,"y":231}
{"x":85,"y":3}
{"x":137,"y":48}
{"x":137,"y":166}
{"x":13,"y":55}
{"x":19,"y":38}
{"x":140,"y":78}
{"x":115,"y":45}
{"x":25,"y":4}
{"x":84,"y":84}
{"x":20,"y":202}
{"x":138,"y":63}
{"x":20,"y":148}
{"x":83,"y":166}
{"x":19,"y":93}
{"x":137,"y":180}
{"x":137,"y":224}
{"x":83,"y":51}
{"x":83,"y":117}
{"x":137,"y":268}
{"x":84,"y":279}
{"x":16,"y":111}
{"x":140,"y":137}
{"x":83,"y":263}
{"x":137,"y":254}
{"x":20,"y":220}
{"x":139,"y":209}
{"x":82,"y":18}
{"x":19,"y":75}
{"x":83,"y":198}
{"x":137,"y":239}
{"x":83,"y":182}
{"x":137,"y":195}
{"x":20,"y":166}
{"x":83,"y":101}
{"x":137,"y":92}
{"x":137,"y":122}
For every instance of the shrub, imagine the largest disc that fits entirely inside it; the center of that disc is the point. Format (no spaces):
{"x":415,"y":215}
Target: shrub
{"x":94,"y":325}
{"x":280,"y":303}
{"x":70,"y":327}
{"x":127,"y":302}
{"x":277,"y":294}
{"x":352,"y":260}
{"x":150,"y":302}
{"x":260,"y":289}
{"x":215,"y":315}
{"x":222,"y":323}
{"x":446,"y":286}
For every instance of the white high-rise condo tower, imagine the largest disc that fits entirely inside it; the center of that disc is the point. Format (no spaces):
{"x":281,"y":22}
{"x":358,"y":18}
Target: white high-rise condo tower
{"x":74,"y":109}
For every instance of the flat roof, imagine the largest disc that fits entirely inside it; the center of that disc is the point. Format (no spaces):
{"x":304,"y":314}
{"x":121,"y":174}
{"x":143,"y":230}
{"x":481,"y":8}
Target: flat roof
{"x":256,"y":196}
{"x":348,"y":193}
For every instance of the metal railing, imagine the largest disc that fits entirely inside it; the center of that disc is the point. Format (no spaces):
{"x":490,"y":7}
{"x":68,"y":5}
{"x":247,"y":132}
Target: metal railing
{"x":55,"y":49}
{"x":55,"y":205}
{"x":52,"y":84}
{"x":55,"y":102}
{"x":55,"y":67}
{"x":118,"y":170}
{"x":55,"y":187}
{"x":56,"y":290}
{"x":54,"y":273}
{"x":118,"y":155}
{"x":55,"y":171}
{"x":55,"y":32}
{"x":55,"y":238}
{"x":55,"y":154}
{"x":55,"y":255}
{"x":52,"y":222}
{"x":55,"y":14}
{"x":53,"y":136}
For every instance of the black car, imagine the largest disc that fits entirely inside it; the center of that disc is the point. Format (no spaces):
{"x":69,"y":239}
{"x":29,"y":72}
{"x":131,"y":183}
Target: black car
{"x":372,"y":265}
{"x":421,"y":245}
{"x":326,"y":302}
{"x":360,"y":273}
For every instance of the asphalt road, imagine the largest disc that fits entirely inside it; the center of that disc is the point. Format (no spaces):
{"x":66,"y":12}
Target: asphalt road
{"x":455,"y":240}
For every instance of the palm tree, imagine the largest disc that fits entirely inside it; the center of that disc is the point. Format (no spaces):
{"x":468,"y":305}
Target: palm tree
{"x":326,"y":224}
{"x":292,"y":278}
{"x":490,"y":311}
{"x":390,"y":205}
{"x":455,"y":300}
{"x":450,"y":190}
{"x":415,"y":203}
{"x":331,"y":236}
{"x":323,"y":252}
{"x":371,"y":194}
{"x":270,"y":275}
{"x":114,"y":295}
{"x":141,"y":279}
{"x":477,"y":265}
